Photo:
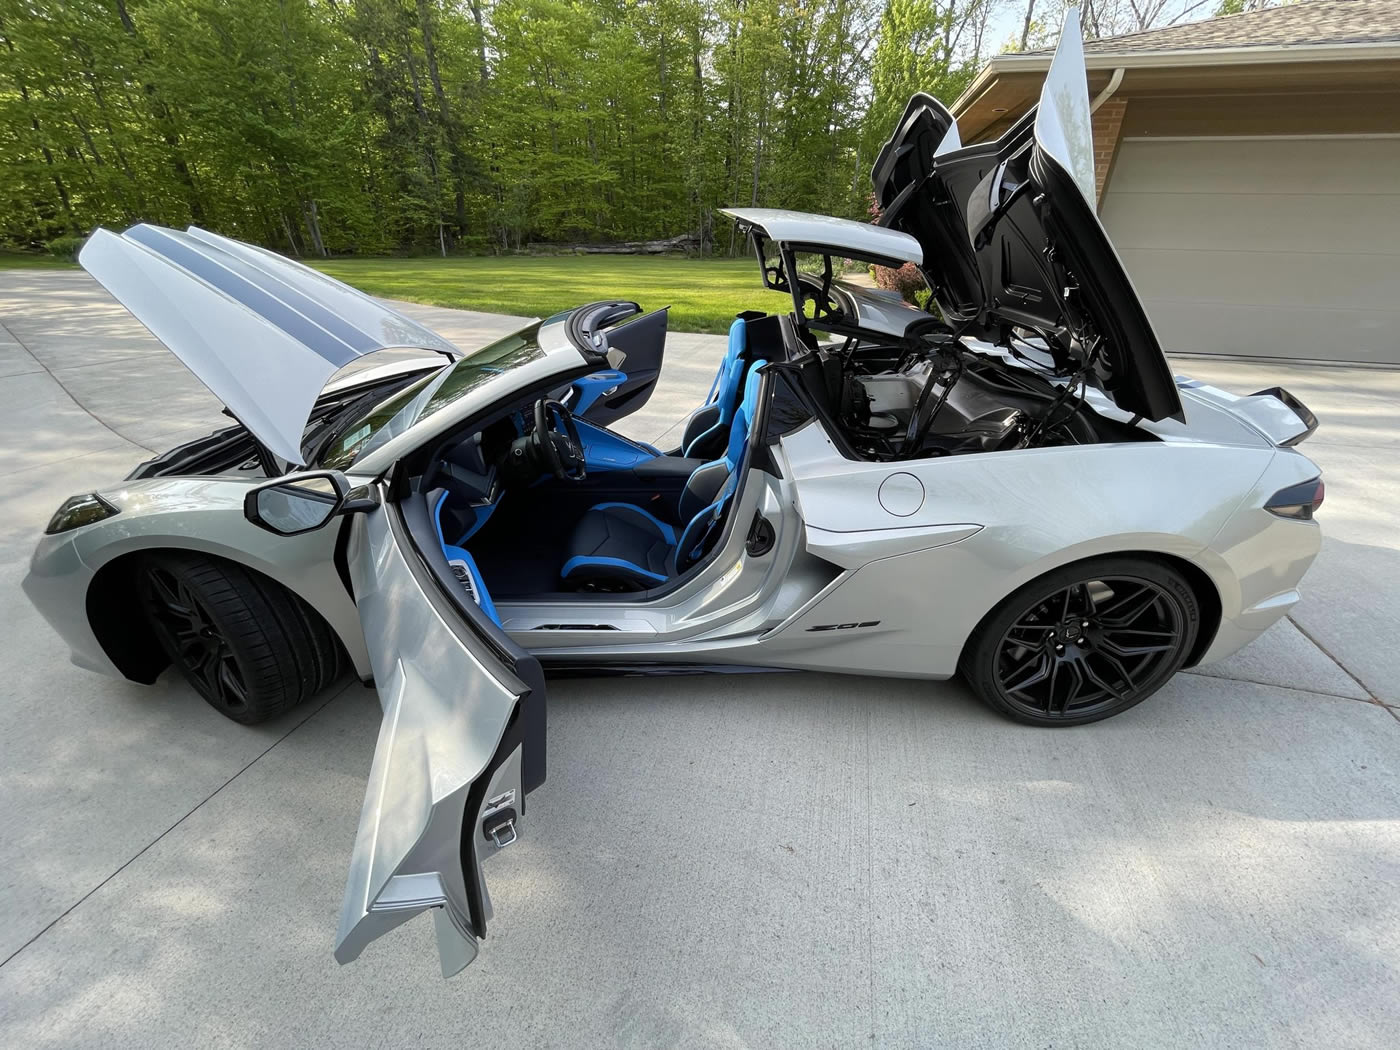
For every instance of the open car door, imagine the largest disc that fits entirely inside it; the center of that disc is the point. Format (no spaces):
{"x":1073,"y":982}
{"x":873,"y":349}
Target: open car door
{"x":603,"y":397}
{"x":461,"y":742}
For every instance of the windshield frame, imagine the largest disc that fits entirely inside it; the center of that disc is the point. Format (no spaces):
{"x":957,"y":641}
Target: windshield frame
{"x":402,"y":409}
{"x":558,"y":363}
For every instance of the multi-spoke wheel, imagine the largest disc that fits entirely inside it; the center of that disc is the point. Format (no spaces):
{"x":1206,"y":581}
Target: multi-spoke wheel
{"x":1085,"y":642}
{"x":249,"y":647}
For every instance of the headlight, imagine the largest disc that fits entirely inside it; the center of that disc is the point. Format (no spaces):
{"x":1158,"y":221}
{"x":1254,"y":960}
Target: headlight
{"x":78,"y":511}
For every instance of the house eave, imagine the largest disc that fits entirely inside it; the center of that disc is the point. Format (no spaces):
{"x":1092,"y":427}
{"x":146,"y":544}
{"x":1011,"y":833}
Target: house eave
{"x":1129,"y":59}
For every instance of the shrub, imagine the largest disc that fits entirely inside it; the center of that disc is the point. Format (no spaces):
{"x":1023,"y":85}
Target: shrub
{"x":907,"y":280}
{"x":65,"y":247}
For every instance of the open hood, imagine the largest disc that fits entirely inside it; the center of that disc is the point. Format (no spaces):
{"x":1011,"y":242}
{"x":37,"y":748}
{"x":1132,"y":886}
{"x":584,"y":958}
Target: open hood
{"x":263,"y":333}
{"x":1011,"y":238}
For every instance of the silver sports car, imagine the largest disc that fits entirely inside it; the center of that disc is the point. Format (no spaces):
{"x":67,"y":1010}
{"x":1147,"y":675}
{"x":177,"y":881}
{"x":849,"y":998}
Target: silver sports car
{"x":1011,"y":486}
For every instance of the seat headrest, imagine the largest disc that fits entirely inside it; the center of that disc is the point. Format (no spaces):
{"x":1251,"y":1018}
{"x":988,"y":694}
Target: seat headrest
{"x":738,"y":336}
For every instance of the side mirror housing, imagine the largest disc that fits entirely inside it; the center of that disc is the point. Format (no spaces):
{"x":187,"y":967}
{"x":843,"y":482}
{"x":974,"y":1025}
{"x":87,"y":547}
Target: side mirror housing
{"x":304,"y":502}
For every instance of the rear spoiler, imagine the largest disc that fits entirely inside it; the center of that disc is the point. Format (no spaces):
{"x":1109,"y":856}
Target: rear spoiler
{"x":1300,"y":410}
{"x":1273,"y":412}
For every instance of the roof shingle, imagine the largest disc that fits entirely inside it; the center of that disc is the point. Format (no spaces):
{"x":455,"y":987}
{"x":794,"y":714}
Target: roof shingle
{"x":1303,"y":23}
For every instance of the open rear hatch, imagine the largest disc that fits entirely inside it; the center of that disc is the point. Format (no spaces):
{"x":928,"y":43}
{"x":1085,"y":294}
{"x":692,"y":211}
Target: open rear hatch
{"x":1012,"y":243}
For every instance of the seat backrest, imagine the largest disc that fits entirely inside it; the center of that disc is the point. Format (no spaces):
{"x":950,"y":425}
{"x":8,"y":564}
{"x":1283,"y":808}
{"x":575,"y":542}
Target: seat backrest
{"x":743,"y":418}
{"x":727,"y":390}
{"x":706,"y":494}
{"x":733,"y":353}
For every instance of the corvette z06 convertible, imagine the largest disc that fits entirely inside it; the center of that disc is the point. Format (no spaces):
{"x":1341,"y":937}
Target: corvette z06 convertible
{"x":1012,"y":486}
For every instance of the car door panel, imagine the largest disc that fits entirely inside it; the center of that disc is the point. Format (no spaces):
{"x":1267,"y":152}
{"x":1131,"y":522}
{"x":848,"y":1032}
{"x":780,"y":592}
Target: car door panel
{"x":449,"y":764}
{"x":643,"y":341}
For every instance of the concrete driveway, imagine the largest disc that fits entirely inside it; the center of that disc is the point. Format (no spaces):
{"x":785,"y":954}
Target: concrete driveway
{"x":784,"y":860}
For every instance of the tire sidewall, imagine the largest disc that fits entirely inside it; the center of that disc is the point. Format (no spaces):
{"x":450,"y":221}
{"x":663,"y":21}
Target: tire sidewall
{"x":978,"y":664}
{"x":282,"y":651}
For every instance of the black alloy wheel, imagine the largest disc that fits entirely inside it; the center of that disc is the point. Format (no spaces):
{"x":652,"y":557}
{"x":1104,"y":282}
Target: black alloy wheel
{"x":1083,"y":644}
{"x":200,"y":647}
{"x":248,"y":646}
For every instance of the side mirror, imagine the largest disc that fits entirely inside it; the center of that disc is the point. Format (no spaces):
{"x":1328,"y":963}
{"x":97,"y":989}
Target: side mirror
{"x":299,"y":503}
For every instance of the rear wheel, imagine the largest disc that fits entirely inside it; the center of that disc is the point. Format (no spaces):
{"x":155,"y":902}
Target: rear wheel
{"x":1083,"y":643}
{"x":250,"y":647}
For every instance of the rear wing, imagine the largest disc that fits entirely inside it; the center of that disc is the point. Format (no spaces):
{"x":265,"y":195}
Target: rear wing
{"x":1274,"y":412}
{"x":1301,"y":412}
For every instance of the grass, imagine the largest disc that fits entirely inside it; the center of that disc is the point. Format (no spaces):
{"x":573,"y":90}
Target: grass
{"x":704,"y":295}
{"x":31,"y":261}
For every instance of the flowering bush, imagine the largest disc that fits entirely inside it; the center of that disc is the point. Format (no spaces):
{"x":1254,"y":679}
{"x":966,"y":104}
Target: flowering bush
{"x":907,"y":280}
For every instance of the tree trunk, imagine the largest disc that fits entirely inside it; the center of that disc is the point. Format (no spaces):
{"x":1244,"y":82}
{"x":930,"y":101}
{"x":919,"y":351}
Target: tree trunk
{"x":762,"y":133}
{"x":48,"y":156}
{"x":313,"y":227}
{"x":291,"y":237}
{"x":165,"y":123}
{"x":475,"y":6}
{"x":450,"y":127}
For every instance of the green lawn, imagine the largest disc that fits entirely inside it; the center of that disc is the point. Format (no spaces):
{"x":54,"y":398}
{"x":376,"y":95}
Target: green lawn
{"x":31,"y":261}
{"x":704,"y":295}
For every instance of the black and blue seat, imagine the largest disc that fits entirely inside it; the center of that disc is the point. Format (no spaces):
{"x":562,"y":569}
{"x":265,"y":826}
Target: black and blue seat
{"x":460,"y":561}
{"x":707,"y":429}
{"x":620,"y":546}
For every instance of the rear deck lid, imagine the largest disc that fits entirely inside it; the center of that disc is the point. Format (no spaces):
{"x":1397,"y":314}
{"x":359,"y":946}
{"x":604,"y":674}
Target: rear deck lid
{"x":263,"y":333}
{"x":1014,"y":241}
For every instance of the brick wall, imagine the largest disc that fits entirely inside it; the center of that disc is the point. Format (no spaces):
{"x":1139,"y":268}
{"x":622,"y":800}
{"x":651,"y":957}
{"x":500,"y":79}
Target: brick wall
{"x":1108,"y":122}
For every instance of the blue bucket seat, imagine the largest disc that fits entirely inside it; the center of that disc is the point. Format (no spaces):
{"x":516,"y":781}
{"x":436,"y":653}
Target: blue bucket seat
{"x":708,"y":427}
{"x":622,"y":544}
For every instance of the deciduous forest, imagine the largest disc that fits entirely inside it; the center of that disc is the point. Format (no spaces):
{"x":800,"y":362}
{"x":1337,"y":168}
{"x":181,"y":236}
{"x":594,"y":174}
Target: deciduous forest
{"x":322,"y":127}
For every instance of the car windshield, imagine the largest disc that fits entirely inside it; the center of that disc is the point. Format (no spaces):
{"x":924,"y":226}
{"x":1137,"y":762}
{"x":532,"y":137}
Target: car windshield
{"x":395,"y":414}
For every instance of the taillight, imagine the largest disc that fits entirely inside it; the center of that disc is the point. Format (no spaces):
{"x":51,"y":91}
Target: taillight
{"x":1297,"y":501}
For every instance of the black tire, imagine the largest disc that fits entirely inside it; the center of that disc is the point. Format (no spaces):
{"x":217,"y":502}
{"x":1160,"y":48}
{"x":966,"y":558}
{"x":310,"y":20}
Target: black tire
{"x":1083,"y":643}
{"x":246,"y":644}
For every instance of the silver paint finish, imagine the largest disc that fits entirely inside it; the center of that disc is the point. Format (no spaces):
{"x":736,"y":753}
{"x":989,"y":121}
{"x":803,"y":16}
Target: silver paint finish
{"x":1063,"y":120}
{"x":884,"y":313}
{"x":1043,"y":508}
{"x":987,"y":524}
{"x":824,"y":231}
{"x":1269,"y":417}
{"x":901,"y":493}
{"x":446,"y":704}
{"x":202,"y":514}
{"x":263,"y":333}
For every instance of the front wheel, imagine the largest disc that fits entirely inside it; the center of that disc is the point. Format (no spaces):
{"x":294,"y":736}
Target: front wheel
{"x":1084,"y":642}
{"x":250,"y":647}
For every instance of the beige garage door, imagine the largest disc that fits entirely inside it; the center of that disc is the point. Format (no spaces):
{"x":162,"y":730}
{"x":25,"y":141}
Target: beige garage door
{"x":1268,"y":247}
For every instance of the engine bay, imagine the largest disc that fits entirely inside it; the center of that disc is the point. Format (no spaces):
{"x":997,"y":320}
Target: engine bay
{"x":934,"y":395}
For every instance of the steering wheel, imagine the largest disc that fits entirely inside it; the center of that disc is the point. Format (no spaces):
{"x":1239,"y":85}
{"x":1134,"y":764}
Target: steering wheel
{"x":559,"y":448}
